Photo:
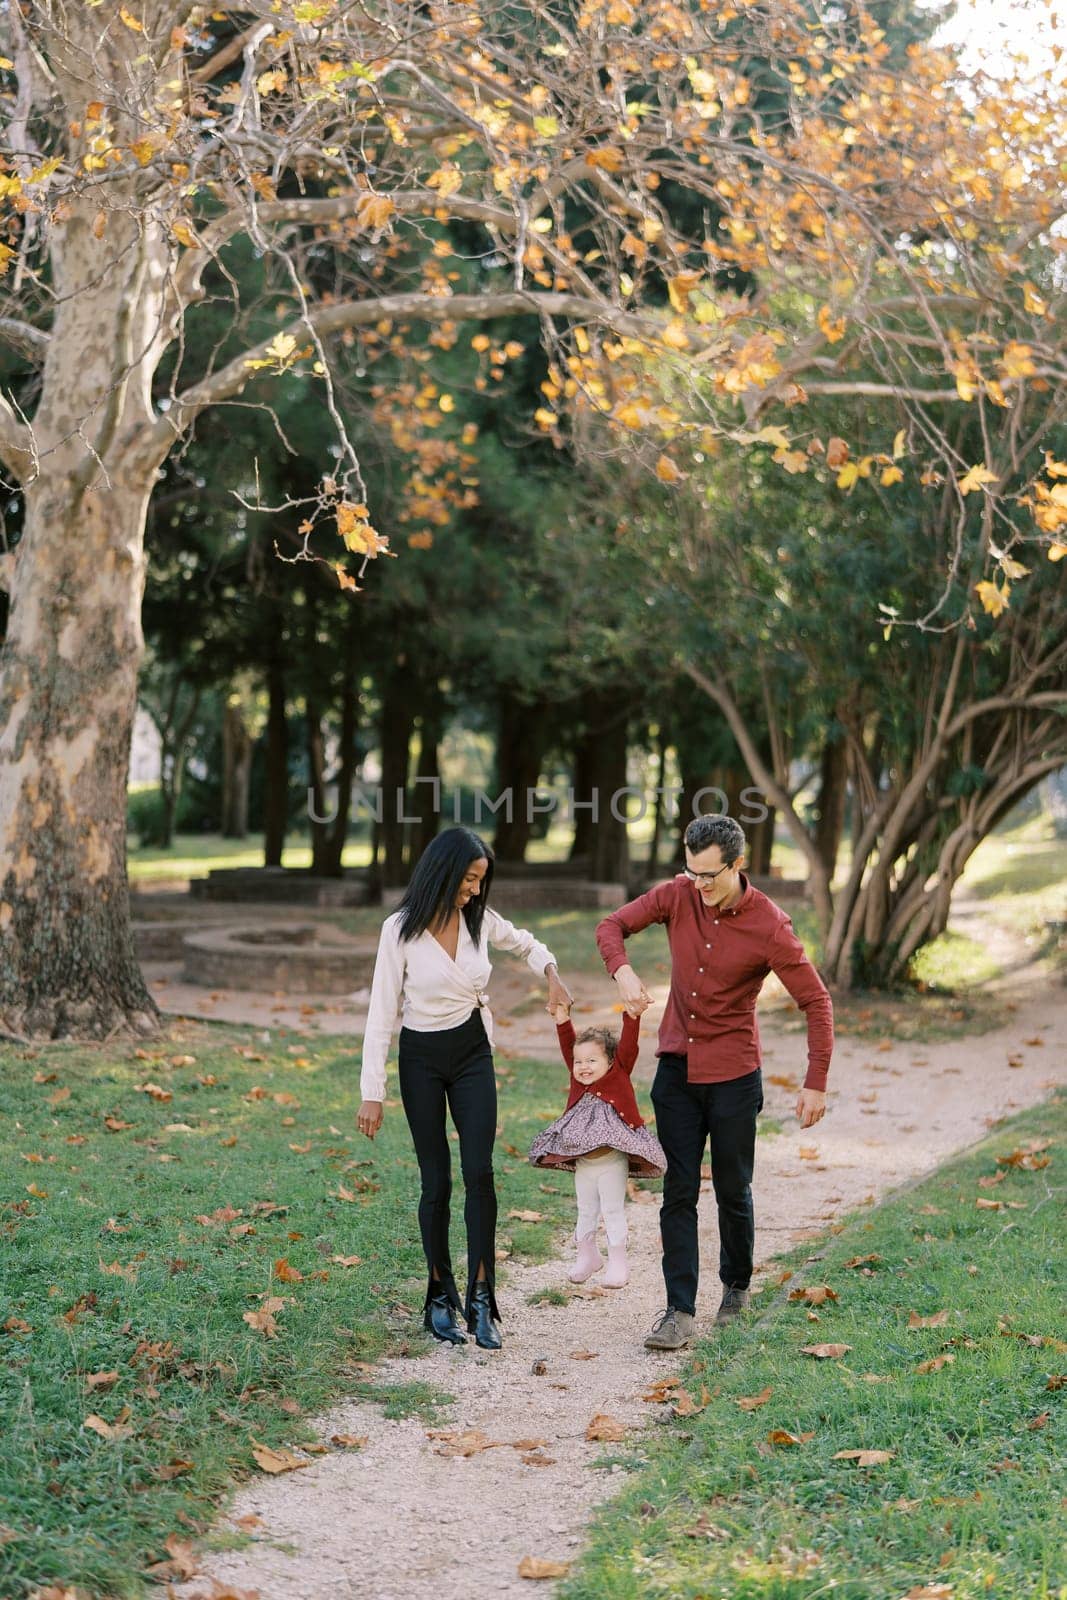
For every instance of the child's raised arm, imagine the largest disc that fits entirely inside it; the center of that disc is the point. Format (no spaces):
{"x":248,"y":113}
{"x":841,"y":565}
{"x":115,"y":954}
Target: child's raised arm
{"x":565,"y":1034}
{"x":626,"y":1054}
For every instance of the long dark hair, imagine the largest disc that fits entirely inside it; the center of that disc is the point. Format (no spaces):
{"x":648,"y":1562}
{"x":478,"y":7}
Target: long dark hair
{"x":439,"y":871}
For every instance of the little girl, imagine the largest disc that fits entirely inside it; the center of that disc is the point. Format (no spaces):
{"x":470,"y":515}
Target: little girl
{"x":601,"y":1138}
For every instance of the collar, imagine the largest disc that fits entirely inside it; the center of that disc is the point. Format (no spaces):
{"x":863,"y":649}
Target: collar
{"x":747,"y":893}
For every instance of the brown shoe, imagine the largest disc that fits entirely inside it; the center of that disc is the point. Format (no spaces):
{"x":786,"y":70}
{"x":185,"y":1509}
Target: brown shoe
{"x":673,"y":1330}
{"x":734,"y":1301}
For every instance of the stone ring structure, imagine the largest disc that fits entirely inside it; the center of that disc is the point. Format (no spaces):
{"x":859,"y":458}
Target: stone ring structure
{"x":293,"y":957}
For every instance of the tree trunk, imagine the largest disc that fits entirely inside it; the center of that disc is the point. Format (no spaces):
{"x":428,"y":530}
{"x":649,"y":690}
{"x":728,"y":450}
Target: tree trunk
{"x":236,"y":768}
{"x":431,"y":732}
{"x":659,"y":804}
{"x":276,"y":777}
{"x":833,"y":788}
{"x":395,"y":729}
{"x":599,"y":775}
{"x":522,"y":732}
{"x":337,"y":832}
{"x":68,"y":669}
{"x":68,"y":695}
{"x":316,"y":759}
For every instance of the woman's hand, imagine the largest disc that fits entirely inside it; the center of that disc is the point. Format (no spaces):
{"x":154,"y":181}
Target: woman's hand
{"x":369,"y":1119}
{"x":561,"y":1014}
{"x":558,"y":993}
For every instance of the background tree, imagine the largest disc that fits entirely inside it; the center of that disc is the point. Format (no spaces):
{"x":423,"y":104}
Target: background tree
{"x":151,"y":152}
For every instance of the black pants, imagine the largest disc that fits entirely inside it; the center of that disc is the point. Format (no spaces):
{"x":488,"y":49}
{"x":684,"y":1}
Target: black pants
{"x":455,"y":1066}
{"x":687,"y":1116}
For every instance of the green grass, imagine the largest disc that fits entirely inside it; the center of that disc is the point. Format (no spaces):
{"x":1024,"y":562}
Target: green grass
{"x":199,"y":1381}
{"x":972,"y":1497}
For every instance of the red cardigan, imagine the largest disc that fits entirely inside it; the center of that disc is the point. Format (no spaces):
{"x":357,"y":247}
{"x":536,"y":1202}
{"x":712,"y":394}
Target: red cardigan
{"x":615,"y":1086}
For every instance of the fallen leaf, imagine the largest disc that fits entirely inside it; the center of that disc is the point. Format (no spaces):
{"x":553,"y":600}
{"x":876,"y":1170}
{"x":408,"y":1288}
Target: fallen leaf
{"x":808,"y":1152}
{"x":935,"y":1363}
{"x":347,"y":1261}
{"x":865,"y":1458}
{"x":538,"y":1567}
{"x":780,"y":1436}
{"x":470,"y":1442}
{"x":605,"y":1429}
{"x":1037,"y":1422}
{"x":285,"y":1273}
{"x":825,"y":1352}
{"x":936,"y":1320}
{"x":275,"y":1461}
{"x":535,"y":1459}
{"x":702,"y":1528}
{"x":525,"y":1216}
{"x":930,"y":1591}
{"x":686,"y":1406}
{"x":584,"y":1355}
{"x":349,"y":1441}
{"x":101,"y":1380}
{"x":1058,"y":1380}
{"x":861,"y":1261}
{"x":121,"y":1428}
{"x":814,"y":1294}
{"x":752,"y":1402}
{"x":262,"y":1321}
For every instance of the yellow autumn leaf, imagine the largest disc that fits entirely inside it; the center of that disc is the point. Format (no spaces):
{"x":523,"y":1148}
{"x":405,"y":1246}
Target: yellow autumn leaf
{"x":994,"y":599}
{"x":668,"y":471}
{"x":1054,"y":468}
{"x":544,"y":418}
{"x":967,"y":379}
{"x":184,"y":234}
{"x":130,"y":20}
{"x":900,"y":444}
{"x":1013,"y":569}
{"x":833,"y":328}
{"x":1033,"y":301}
{"x":271,"y":82}
{"x":1057,"y":551}
{"x":674,"y":336}
{"x":975,"y":479}
{"x":374,"y":210}
{"x":10,"y":184}
{"x":143,"y":150}
{"x":546,"y":126}
{"x":793,"y":461}
{"x":891,"y":475}
{"x":1017,"y":360}
{"x":6,"y":65}
{"x":848,"y":476}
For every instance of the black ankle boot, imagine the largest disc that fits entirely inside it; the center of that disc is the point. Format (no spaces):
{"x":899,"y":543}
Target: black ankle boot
{"x":441,"y":1319}
{"x":480,"y":1318}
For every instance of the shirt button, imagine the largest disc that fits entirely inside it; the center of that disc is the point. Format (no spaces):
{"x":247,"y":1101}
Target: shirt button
{"x":690,"y":1038}
{"x":701,"y":969}
{"x":708,"y":946}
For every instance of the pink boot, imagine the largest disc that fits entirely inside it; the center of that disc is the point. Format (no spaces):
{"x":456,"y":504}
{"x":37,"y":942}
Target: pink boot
{"x":618,"y":1272}
{"x":587,"y":1261}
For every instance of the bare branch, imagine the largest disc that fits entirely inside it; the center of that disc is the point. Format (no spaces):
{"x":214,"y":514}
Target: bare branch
{"x":418,"y":307}
{"x":22,"y":336}
{"x":17,"y":450}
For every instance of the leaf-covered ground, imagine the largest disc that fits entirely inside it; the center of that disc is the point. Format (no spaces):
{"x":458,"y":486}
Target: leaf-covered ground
{"x":891,"y":1420}
{"x":197,"y":1250}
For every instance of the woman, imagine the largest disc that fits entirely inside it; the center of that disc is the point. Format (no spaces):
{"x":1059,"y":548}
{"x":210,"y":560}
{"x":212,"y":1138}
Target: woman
{"x":433,"y":961}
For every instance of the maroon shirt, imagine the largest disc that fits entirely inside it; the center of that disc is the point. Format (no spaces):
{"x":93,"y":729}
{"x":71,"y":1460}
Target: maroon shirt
{"x":614,"y":1087}
{"x":719,"y":960}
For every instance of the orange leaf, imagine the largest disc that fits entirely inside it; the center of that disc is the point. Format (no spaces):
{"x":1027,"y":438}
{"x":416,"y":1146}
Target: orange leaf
{"x":605,"y":1429}
{"x":275,"y":1461}
{"x":752,"y":1402}
{"x":825,"y":1352}
{"x":539,"y":1567}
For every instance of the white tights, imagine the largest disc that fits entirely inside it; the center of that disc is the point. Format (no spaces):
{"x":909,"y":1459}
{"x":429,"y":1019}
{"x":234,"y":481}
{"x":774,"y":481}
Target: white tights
{"x":600,"y":1188}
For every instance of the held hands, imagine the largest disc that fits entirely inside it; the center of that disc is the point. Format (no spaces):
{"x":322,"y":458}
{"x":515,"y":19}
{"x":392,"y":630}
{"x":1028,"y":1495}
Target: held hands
{"x":632,"y":992}
{"x":369,"y":1119}
{"x":558,"y":994}
{"x":561,"y":1014}
{"x":811,"y":1107}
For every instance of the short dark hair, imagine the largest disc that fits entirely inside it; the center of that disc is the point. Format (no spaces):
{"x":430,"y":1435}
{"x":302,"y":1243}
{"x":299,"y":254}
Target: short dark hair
{"x":431,"y":893}
{"x":604,"y":1037}
{"x":729,"y":835}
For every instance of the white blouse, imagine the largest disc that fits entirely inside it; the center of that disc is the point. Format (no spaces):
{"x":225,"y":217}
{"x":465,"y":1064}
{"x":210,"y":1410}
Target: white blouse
{"x":418,"y":981}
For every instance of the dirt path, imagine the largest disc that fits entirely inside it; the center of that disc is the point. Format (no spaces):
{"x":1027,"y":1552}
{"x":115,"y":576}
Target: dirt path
{"x":400,"y":1520}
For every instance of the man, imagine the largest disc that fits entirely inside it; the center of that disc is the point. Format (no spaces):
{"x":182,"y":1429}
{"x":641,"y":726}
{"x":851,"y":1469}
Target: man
{"x":725,"y":937}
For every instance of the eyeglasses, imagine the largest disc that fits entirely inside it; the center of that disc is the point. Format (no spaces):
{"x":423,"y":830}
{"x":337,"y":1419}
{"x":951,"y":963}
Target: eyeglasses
{"x":706,"y":877}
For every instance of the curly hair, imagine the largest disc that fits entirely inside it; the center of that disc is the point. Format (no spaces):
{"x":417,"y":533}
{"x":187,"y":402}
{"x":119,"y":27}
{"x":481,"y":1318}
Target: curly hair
{"x":608,"y":1041}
